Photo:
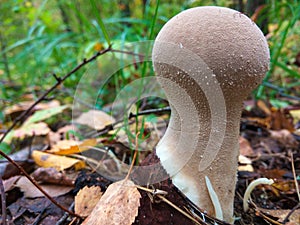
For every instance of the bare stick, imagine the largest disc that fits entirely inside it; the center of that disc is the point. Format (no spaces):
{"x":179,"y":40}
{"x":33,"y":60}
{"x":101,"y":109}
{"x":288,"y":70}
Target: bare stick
{"x":295,"y":177}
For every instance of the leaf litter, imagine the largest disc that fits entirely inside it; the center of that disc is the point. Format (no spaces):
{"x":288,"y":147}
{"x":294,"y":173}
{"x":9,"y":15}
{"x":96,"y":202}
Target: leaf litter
{"x":268,"y":137}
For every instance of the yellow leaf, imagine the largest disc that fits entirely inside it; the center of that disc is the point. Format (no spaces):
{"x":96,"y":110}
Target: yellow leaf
{"x":67,"y":147}
{"x":44,"y":159}
{"x":98,"y":46}
{"x":295,"y":114}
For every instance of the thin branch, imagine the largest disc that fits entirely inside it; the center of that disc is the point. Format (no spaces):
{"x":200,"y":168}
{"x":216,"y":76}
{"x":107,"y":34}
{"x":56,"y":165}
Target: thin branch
{"x":280,"y":91}
{"x":149,"y":111}
{"x":295,"y":177}
{"x":128,"y":53}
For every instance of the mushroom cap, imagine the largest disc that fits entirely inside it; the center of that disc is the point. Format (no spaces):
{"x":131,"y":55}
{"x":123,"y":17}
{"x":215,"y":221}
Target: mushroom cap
{"x":230,"y":43}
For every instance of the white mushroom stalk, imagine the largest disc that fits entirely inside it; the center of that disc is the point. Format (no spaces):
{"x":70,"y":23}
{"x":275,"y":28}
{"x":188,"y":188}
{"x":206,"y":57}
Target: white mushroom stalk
{"x":207,"y":60}
{"x":250,"y":188}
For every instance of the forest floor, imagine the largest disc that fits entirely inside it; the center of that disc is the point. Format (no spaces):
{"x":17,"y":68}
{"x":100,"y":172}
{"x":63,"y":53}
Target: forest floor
{"x":49,"y":151}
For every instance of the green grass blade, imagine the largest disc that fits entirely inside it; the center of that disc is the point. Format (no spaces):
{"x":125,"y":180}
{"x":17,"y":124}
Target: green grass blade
{"x":154,"y":20}
{"x":100,"y":22}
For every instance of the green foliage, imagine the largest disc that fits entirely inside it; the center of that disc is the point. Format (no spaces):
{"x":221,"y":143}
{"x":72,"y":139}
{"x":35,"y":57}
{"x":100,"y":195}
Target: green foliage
{"x":6,"y":148}
{"x":284,"y":43}
{"x":41,"y":37}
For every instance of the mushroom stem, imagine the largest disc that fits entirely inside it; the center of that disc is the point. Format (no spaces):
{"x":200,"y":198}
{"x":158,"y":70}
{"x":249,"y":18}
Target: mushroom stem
{"x":207,"y":60}
{"x":222,"y":170}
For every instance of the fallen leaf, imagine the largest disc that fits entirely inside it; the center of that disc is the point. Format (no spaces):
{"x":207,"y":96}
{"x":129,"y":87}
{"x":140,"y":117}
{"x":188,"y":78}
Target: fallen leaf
{"x":95,"y":119}
{"x":118,"y":206}
{"x":60,"y":163}
{"x":281,"y":120}
{"x":62,"y":133}
{"x":9,"y":184}
{"x":285,"y":138}
{"x":36,"y":129}
{"x":263,"y":106}
{"x":86,"y":200}
{"x":52,"y":176}
{"x":30,"y":191}
{"x":282,"y":213}
{"x":295,"y":114}
{"x":22,"y":106}
{"x":245,"y":147}
{"x":67,"y":147}
{"x":44,"y":114}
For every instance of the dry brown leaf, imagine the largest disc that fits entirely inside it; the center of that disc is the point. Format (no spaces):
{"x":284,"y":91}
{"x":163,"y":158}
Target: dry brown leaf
{"x":30,"y":191}
{"x":245,"y":147}
{"x":118,"y":206}
{"x":86,"y":200}
{"x":36,"y":129}
{"x":22,"y":106}
{"x":95,"y":119}
{"x":52,"y":176}
{"x":67,"y":147}
{"x":282,"y":213}
{"x":263,"y":106}
{"x":285,"y":137}
{"x":9,"y":184}
{"x":60,"y":163}
{"x":281,"y":120}
{"x":61,"y":134}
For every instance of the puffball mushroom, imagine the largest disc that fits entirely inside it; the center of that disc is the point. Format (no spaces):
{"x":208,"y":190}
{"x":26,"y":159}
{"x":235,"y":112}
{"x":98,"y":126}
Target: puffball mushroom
{"x":207,"y":60}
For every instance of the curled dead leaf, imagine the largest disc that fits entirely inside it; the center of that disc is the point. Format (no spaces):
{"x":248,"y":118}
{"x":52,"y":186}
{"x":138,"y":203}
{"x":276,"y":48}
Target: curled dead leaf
{"x":118,"y":206}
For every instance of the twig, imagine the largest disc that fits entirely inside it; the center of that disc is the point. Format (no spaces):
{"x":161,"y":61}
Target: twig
{"x":295,"y":177}
{"x":128,"y":52}
{"x":3,"y":204}
{"x":198,"y":211}
{"x":134,"y":156}
{"x":37,"y":185}
{"x":290,"y":213}
{"x":280,"y":91}
{"x":149,"y":111}
{"x":297,"y":190}
{"x":263,"y":215}
{"x":41,"y":215}
{"x":65,"y":216}
{"x":40,"y":99}
{"x":160,"y":194}
{"x":111,"y":126}
{"x":180,"y":210}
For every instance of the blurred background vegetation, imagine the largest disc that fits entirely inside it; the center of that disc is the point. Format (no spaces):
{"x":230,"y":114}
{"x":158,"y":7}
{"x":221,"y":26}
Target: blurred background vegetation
{"x":42,"y":37}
